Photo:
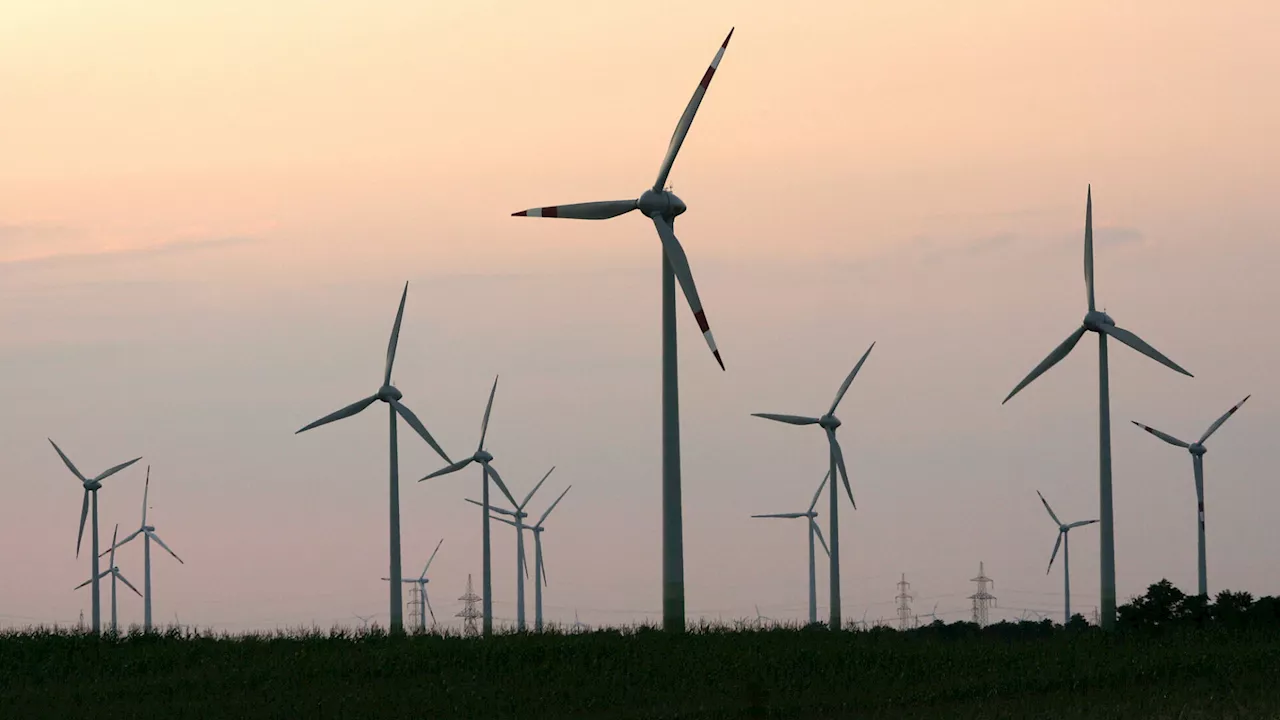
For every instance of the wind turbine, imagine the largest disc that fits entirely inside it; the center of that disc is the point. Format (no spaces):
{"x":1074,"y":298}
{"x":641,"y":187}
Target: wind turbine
{"x":115,"y":574}
{"x":148,"y":533}
{"x":1102,"y":324}
{"x":1197,"y":450}
{"x":1063,"y":529}
{"x":539,"y":570}
{"x":391,"y":396}
{"x":662,"y":207}
{"x":522,"y":568}
{"x":835,"y":458}
{"x":91,"y":487}
{"x":421,"y":581}
{"x":813,"y":530}
{"x":483,"y":457}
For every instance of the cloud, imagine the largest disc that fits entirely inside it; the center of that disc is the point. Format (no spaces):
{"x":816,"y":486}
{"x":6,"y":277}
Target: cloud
{"x":165,"y":249}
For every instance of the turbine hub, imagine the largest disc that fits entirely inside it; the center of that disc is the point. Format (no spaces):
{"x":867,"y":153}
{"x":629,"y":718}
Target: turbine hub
{"x":148,"y":528}
{"x":387,"y":393}
{"x":1197,"y":449}
{"x":829,"y":422}
{"x":92,"y":485}
{"x":664,"y":203}
{"x":483,"y":456}
{"x":1094,"y":320}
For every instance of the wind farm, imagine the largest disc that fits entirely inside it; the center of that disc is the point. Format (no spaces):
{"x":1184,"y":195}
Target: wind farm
{"x":191,"y":271}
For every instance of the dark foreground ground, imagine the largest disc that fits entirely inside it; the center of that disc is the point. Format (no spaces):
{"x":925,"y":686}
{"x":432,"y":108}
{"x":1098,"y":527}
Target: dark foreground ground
{"x":1028,"y":671}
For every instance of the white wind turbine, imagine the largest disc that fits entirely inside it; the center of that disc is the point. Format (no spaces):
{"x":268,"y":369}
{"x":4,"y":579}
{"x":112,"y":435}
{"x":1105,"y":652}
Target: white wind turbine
{"x":1102,"y":324}
{"x":835,"y":457}
{"x":1197,"y":451}
{"x":1063,"y":529}
{"x":662,"y":207}
{"x":484,"y":458}
{"x":522,"y":568}
{"x":115,"y":574}
{"x":539,"y":569}
{"x":91,"y":487}
{"x":809,"y":514}
{"x":391,"y":396}
{"x":421,"y":581}
{"x":148,"y":533}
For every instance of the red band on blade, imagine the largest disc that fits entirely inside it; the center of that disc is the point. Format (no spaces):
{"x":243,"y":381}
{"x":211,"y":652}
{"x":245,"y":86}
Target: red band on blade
{"x":701,"y":317}
{"x":706,"y":79}
{"x":550,"y":212}
{"x":725,"y":44}
{"x":717,"y":354}
{"x":522,"y":213}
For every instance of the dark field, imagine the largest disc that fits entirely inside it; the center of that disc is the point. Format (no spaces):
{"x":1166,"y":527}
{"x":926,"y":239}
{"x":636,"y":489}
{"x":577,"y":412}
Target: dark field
{"x":956,"y":671}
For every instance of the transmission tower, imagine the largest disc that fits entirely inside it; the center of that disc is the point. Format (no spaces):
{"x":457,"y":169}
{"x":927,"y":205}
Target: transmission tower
{"x":413,"y":608}
{"x":983,"y":599}
{"x":469,"y":613}
{"x":904,"y":603}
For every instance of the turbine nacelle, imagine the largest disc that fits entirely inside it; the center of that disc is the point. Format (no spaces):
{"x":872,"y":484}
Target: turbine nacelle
{"x":665,"y":203}
{"x":90,"y":485}
{"x":829,"y":422}
{"x":148,"y":528}
{"x":1094,"y":320}
{"x":483,"y":457}
{"x":389,"y":393}
{"x":1197,"y":449}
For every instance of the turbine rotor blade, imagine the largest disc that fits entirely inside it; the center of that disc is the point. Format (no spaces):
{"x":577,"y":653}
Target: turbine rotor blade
{"x":528,"y":497}
{"x":70,"y":466}
{"x":395,"y":337}
{"x":429,"y":609}
{"x":849,"y":380}
{"x":112,"y":471}
{"x":493,"y":473}
{"x":790,"y":419}
{"x":450,"y":469}
{"x":131,"y":536}
{"x":86,"y":582}
{"x":686,"y":120}
{"x":524,"y":559}
{"x":501,"y":519}
{"x":1051,"y":513}
{"x":1162,"y":435}
{"x":125,"y":580}
{"x":818,"y":494}
{"x":1054,"y":358}
{"x":1056,"y":544}
{"x":1138,"y":344}
{"x":84,"y":513}
{"x":1088,"y":247}
{"x":541,"y":563}
{"x":553,"y":506}
{"x":844,"y":474}
{"x":582,"y":211}
{"x":1081,"y":523}
{"x":679,"y":263}
{"x":160,"y":542}
{"x":493,"y":508}
{"x":789,"y":516}
{"x":433,"y":557}
{"x":146,"y":488}
{"x":818,"y":531}
{"x":419,"y":428}
{"x":345,"y":412}
{"x":114,"y":533}
{"x":1218,"y":423}
{"x":484,"y":425}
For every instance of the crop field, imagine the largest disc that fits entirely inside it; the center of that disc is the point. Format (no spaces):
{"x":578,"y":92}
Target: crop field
{"x":1027,"y":670}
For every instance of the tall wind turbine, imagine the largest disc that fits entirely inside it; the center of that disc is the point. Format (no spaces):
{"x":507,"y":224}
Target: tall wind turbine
{"x":391,"y":396}
{"x":1197,"y":451}
{"x":1102,"y":324}
{"x":115,"y":574}
{"x":91,"y":487}
{"x":662,"y":207}
{"x":813,"y":530}
{"x":540,"y":570}
{"x":421,"y":581}
{"x":522,"y":568}
{"x":1063,"y":529}
{"x":148,"y":533}
{"x":485,"y":459}
{"x":835,"y":459}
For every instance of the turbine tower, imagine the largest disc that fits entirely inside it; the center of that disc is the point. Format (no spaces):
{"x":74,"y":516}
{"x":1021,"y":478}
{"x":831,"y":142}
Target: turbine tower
{"x":391,"y":396}
{"x":1197,"y":450}
{"x":423,"y":604}
{"x":1102,"y":324}
{"x":148,"y":533}
{"x":1063,"y":529}
{"x":813,"y":530}
{"x":835,"y":459}
{"x":522,"y":567}
{"x":539,"y":570}
{"x":115,"y":574}
{"x":662,"y":207}
{"x":484,"y":458}
{"x":91,"y":487}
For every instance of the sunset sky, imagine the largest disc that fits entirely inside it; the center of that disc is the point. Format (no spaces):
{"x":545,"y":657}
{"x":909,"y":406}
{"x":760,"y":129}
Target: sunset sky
{"x":208,"y":210}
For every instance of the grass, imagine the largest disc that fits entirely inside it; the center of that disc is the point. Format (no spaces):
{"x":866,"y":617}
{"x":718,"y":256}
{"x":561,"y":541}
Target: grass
{"x":1004,"y":671}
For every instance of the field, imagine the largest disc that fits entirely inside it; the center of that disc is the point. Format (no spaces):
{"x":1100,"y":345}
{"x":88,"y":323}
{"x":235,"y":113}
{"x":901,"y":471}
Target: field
{"x":957,"y":671}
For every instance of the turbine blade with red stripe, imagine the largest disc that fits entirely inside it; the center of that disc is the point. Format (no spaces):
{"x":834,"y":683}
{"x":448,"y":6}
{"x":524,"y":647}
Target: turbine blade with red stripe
{"x":680,"y":265}
{"x":582,"y":211}
{"x":686,"y":120}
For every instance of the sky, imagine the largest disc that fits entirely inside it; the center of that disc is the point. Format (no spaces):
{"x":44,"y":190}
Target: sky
{"x":208,"y":211}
